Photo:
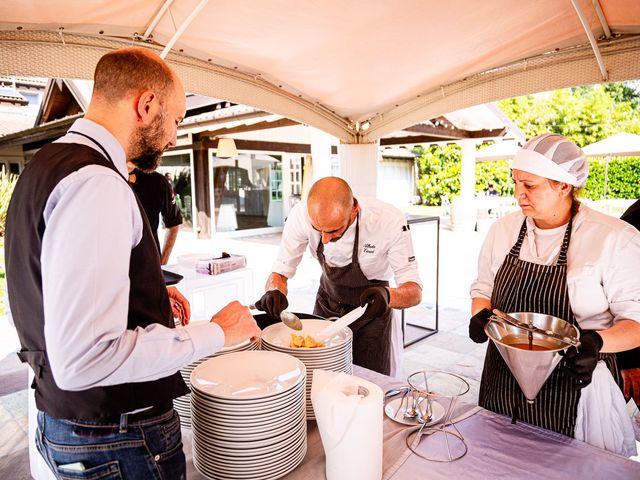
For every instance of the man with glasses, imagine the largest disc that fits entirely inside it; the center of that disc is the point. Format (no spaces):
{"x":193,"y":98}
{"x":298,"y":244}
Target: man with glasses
{"x":360,"y":245}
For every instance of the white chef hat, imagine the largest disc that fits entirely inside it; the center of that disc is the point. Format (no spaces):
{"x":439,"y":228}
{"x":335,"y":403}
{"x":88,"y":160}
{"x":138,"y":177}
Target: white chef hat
{"x":554,"y":157}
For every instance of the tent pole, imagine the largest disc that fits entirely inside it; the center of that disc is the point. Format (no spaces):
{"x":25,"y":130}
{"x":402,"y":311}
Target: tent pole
{"x":606,"y":175}
{"x":592,"y":40}
{"x":163,"y":9}
{"x":183,"y":27}
{"x":603,"y":20}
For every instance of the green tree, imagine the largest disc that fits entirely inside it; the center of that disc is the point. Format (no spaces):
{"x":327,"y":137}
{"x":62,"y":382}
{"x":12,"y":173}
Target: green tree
{"x":583,"y":114}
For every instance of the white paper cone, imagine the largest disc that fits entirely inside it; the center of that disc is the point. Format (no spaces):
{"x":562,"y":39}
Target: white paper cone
{"x":348,"y":412}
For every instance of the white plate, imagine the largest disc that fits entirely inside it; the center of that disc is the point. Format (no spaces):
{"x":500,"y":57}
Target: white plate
{"x":239,"y":445}
{"x":232,"y":450}
{"x":248,"y":375}
{"x":243,"y":407}
{"x":248,"y":419}
{"x":391,"y":408}
{"x":253,"y":471}
{"x":274,"y":463}
{"x":279,"y":334}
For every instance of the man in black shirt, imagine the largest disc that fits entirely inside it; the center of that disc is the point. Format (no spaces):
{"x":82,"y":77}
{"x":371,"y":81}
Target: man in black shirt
{"x":157,"y":198}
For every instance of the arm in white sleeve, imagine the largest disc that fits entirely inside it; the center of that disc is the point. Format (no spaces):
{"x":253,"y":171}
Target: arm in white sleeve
{"x":482,"y":286}
{"x":294,"y":241}
{"x":401,"y":255}
{"x":86,"y":249}
{"x":620,"y":281}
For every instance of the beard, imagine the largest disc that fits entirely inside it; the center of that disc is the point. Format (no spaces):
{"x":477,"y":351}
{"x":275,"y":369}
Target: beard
{"x":146,"y":145}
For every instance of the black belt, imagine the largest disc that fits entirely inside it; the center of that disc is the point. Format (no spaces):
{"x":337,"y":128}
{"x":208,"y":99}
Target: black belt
{"x":130,"y":418}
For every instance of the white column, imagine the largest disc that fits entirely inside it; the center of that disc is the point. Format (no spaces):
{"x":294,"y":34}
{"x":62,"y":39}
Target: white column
{"x":464,"y":207}
{"x":321,"y":153}
{"x":468,"y":173}
{"x":359,"y":167}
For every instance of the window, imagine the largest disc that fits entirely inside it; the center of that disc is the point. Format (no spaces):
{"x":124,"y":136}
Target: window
{"x":177,"y":168}
{"x":247,"y":191}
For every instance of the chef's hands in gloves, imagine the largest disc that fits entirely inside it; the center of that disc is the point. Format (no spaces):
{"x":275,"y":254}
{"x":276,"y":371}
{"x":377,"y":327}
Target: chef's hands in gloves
{"x":477,"y":324}
{"x":377,"y":301}
{"x":581,"y":362}
{"x":273,"y":302}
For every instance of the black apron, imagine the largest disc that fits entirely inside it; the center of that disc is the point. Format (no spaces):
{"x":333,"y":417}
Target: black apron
{"x":522,"y":286}
{"x":339,"y":293}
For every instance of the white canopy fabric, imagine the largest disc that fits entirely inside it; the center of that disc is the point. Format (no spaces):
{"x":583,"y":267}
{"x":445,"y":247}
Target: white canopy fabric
{"x":355,"y":69}
{"x":620,"y":144}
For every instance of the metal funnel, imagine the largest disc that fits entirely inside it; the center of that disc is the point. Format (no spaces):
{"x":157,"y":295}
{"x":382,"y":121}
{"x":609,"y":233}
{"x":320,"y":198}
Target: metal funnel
{"x":531,"y":368}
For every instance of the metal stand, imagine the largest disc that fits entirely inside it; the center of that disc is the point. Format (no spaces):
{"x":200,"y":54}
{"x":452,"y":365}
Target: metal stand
{"x":444,"y":441}
{"x":428,"y":330}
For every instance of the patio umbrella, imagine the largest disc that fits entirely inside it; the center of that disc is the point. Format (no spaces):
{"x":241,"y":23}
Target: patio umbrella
{"x":504,"y":150}
{"x":619,"y":145}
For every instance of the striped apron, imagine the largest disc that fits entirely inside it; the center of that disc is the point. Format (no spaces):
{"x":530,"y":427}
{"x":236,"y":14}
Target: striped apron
{"x":522,"y":286}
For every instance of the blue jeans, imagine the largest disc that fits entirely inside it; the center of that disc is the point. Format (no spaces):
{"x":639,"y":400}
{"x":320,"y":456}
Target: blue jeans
{"x":147,"y":449}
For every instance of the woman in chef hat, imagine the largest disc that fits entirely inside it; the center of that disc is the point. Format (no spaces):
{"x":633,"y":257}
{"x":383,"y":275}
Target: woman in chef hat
{"x":556,"y":256}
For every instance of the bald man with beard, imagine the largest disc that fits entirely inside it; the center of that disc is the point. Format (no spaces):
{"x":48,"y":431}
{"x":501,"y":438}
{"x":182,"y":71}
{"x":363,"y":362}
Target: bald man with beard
{"x":86,"y":290}
{"x":360,"y":245}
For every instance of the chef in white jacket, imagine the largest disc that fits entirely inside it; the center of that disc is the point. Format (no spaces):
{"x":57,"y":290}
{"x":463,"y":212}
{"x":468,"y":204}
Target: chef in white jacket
{"x":360,"y":245}
{"x":559,"y":257}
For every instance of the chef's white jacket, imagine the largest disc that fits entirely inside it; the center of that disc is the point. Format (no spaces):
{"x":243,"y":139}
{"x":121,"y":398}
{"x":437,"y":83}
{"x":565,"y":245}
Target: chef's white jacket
{"x":603,"y":262}
{"x":385,"y":248}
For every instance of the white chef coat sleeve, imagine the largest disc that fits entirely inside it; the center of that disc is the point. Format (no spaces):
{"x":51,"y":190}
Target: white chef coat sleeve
{"x":85,"y":257}
{"x":620,"y":281}
{"x":401,"y":256}
{"x":294,"y":241}
{"x":482,"y":286}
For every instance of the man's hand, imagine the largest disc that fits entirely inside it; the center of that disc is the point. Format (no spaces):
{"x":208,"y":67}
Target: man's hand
{"x":477,"y":324}
{"x":237,"y":323}
{"x":179,"y":306}
{"x":581,"y":362}
{"x":631,"y":381}
{"x":273,"y":302}
{"x":377,"y":301}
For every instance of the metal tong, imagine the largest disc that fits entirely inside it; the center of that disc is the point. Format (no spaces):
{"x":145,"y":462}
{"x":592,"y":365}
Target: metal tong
{"x":531,"y":328}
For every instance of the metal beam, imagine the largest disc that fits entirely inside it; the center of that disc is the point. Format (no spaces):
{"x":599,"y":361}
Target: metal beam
{"x":603,"y":20}
{"x":592,"y":40}
{"x":183,"y":27}
{"x":156,"y":19}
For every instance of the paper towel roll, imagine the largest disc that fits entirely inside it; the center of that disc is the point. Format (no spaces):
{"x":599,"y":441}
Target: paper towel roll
{"x":348,"y":412}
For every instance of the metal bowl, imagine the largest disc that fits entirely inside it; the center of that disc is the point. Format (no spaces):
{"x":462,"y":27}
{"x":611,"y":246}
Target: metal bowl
{"x":507,"y":335}
{"x":531,"y":368}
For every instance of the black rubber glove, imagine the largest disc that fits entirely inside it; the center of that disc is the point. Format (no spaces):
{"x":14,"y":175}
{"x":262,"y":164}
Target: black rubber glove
{"x":377,"y":301}
{"x":477,"y":324}
{"x":581,"y":362}
{"x":273,"y":302}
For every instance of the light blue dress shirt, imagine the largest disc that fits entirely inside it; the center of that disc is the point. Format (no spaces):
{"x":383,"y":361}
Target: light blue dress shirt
{"x":92,"y":224}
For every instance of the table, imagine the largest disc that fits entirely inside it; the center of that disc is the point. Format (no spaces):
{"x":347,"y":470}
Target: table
{"x":497,"y":449}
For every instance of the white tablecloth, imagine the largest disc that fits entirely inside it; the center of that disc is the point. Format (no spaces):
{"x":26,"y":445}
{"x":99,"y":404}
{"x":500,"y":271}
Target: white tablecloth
{"x":497,"y":449}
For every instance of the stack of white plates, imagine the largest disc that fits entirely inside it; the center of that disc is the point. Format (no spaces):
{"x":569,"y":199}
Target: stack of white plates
{"x":336,"y":355}
{"x":248,"y":414}
{"x":183,"y":404}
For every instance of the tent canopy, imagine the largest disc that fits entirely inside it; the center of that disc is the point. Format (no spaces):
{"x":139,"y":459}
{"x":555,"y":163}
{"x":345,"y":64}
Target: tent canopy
{"x":357,"y":70}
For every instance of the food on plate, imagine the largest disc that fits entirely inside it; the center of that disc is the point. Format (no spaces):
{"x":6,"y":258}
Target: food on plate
{"x":304,"y":341}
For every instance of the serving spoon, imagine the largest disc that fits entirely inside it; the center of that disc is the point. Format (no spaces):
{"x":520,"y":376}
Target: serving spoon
{"x":291,"y":320}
